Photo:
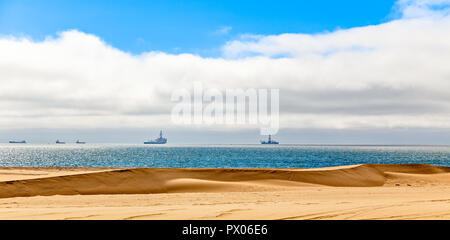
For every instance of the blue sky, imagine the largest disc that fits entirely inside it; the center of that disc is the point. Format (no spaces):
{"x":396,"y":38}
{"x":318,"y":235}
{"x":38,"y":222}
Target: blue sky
{"x":198,"y":27}
{"x":348,"y":71}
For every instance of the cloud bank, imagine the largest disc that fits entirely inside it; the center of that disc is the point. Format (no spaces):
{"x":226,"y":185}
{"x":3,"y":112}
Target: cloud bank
{"x":391,"y":75}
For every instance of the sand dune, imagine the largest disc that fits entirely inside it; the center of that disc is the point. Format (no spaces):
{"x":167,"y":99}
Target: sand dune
{"x":373,"y":191}
{"x":170,"y":180}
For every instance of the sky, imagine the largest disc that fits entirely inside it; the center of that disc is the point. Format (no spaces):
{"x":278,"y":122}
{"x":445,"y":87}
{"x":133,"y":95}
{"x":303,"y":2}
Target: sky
{"x":198,"y":27}
{"x":349,"y":72}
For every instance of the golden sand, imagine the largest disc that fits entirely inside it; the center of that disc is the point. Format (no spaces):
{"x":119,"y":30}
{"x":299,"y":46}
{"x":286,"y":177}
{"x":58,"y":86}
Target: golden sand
{"x":371,"y":191}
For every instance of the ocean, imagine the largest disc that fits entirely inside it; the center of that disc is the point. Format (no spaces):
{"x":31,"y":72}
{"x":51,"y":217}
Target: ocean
{"x":214,"y":156}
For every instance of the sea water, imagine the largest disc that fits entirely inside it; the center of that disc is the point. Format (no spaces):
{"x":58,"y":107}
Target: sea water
{"x":214,"y":156}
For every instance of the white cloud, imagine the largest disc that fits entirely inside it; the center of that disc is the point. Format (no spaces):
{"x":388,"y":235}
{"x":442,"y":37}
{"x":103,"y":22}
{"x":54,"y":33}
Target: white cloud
{"x":394,"y":74}
{"x":223,"y":30}
{"x":422,"y":8}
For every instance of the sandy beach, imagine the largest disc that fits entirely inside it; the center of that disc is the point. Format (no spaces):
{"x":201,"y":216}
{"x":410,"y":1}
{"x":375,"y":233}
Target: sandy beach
{"x":372,"y":191}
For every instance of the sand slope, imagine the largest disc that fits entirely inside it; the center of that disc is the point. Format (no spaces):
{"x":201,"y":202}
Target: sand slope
{"x":177,"y":180}
{"x":408,"y":191}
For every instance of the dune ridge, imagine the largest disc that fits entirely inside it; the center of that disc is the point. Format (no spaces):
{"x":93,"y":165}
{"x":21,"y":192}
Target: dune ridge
{"x":182,"y":180}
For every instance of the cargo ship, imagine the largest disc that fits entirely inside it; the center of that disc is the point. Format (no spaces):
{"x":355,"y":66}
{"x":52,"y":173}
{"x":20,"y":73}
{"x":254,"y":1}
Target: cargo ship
{"x":270,"y":141}
{"x":159,"y":140}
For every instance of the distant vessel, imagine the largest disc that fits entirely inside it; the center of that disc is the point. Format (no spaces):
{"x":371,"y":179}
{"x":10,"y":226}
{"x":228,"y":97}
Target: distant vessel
{"x":270,"y":141}
{"x":78,"y":142}
{"x":159,"y":140}
{"x":59,"y":142}
{"x":23,"y":141}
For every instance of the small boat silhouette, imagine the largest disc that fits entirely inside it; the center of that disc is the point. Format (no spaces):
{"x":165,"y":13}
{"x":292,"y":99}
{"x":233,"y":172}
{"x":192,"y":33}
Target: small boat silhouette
{"x":23,"y":141}
{"x":79,"y":142}
{"x":270,"y":141}
{"x":59,"y":142}
{"x":159,"y":140}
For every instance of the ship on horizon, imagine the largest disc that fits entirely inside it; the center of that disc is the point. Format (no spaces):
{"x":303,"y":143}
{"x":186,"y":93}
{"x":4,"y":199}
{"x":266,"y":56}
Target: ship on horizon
{"x":80,"y":142}
{"x":159,"y":140}
{"x":270,"y":141}
{"x":23,"y":141}
{"x":59,"y":142}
